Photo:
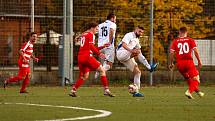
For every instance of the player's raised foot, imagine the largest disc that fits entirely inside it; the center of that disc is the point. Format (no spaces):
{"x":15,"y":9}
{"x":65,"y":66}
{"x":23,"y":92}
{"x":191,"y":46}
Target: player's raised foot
{"x":188,"y":95}
{"x":24,"y":91}
{"x":201,"y":94}
{"x":73,"y":93}
{"x":108,"y":93}
{"x":153,"y":67}
{"x":96,"y":75}
{"x":138,"y":94}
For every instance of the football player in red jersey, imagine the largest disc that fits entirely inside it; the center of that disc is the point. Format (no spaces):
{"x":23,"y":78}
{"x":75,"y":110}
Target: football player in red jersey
{"x":87,"y":62}
{"x":25,"y":54}
{"x":182,"y":47}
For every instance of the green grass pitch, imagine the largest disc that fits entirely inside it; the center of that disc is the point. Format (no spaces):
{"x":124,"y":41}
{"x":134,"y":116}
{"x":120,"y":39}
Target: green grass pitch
{"x":159,"y":104}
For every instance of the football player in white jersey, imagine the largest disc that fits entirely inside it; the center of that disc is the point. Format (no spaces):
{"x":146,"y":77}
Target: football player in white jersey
{"x":128,"y":48}
{"x":107,"y":31}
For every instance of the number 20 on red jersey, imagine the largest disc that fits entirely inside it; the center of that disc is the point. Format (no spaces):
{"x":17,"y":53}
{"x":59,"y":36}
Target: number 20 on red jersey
{"x":183,"y":48}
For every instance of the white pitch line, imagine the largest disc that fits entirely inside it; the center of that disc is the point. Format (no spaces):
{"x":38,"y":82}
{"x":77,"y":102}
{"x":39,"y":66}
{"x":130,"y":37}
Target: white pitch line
{"x":103,"y":112}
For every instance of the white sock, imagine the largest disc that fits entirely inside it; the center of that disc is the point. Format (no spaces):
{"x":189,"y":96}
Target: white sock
{"x":106,"y":66}
{"x":106,"y":90}
{"x":96,"y":75}
{"x":143,"y":60}
{"x":137,"y":80}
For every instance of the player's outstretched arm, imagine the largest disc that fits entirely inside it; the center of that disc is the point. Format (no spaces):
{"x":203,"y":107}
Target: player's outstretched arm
{"x":171,"y":59}
{"x":94,"y":49}
{"x":21,"y":53}
{"x":111,"y":35}
{"x":105,"y":45}
{"x":34,"y":58}
{"x":124,"y":45}
{"x":196,"y":53}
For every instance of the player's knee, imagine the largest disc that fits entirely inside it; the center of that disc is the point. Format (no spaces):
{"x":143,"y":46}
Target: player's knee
{"x":196,"y":78}
{"x":102,"y":71}
{"x":137,"y":70}
{"x":85,"y":76}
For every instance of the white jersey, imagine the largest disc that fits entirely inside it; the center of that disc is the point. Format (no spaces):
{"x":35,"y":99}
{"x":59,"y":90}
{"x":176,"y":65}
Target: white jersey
{"x":104,"y":30}
{"x":131,"y":40}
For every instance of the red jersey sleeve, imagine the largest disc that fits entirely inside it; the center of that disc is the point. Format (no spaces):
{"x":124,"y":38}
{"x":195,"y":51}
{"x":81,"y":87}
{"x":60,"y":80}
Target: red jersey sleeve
{"x":192,"y":43}
{"x":101,"y":47}
{"x":91,"y":44}
{"x":91,"y":38}
{"x":94,"y":49}
{"x":24,"y":46}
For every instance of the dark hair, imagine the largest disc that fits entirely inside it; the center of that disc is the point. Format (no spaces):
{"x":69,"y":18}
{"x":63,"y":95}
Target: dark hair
{"x":91,"y":25}
{"x":183,"y":29}
{"x":141,"y":27}
{"x":110,"y":15}
{"x":32,"y":33}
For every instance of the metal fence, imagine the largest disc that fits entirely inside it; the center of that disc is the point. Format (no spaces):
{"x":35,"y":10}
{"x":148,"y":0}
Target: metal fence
{"x":15,"y":24}
{"x":206,"y":52}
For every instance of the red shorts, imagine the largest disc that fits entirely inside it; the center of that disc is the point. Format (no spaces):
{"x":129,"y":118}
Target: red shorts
{"x":23,"y":71}
{"x":187,"y":68}
{"x":87,"y":63}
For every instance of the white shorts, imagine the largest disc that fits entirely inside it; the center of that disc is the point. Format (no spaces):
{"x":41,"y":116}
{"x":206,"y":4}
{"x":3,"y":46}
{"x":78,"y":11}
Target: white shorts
{"x":124,"y":57}
{"x":109,"y":54}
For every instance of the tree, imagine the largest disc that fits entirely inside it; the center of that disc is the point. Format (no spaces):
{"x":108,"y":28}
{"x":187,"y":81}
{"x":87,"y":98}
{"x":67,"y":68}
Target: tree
{"x":169,"y":16}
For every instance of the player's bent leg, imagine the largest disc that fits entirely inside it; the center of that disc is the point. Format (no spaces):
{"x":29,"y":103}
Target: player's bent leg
{"x":153,"y":67}
{"x":12,"y":79}
{"x":143,"y":60}
{"x":188,"y":95}
{"x":104,"y":81}
{"x":96,"y":75}
{"x":138,"y":94}
{"x":196,"y":78}
{"x":25,"y":83}
{"x":137,"y":75}
{"x":196,"y":82}
{"x":106,"y":65}
{"x":78,"y":83}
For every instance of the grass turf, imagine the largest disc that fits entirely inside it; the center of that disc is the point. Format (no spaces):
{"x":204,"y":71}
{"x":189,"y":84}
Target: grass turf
{"x":159,"y":104}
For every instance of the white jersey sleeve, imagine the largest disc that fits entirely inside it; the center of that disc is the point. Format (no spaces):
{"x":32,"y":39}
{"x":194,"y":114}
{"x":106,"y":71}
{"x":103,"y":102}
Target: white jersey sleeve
{"x":131,"y":40}
{"x":126,"y":39}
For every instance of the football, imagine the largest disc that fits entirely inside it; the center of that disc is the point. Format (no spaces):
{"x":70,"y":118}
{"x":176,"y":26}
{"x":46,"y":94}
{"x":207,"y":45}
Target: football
{"x":132,"y":88}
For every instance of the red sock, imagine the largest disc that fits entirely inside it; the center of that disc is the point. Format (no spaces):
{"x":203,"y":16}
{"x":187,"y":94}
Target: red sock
{"x":104,"y":81}
{"x":191,"y":86}
{"x":78,"y":83}
{"x":189,"y":81}
{"x":196,"y":85}
{"x":24,"y":84}
{"x":14,"y":79}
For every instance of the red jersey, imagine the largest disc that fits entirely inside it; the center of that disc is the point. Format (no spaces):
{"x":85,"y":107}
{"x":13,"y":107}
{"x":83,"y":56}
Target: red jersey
{"x":87,"y":45}
{"x":183,"y":48}
{"x":27,"y":50}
